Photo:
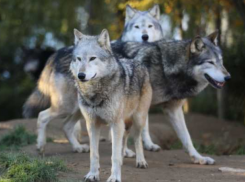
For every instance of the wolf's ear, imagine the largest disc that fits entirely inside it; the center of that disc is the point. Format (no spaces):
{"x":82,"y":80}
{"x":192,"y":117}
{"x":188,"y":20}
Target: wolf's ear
{"x":213,"y":37}
{"x":130,"y":12}
{"x":104,"y":40}
{"x":155,"y":11}
{"x":78,"y":36}
{"x":197,"y":45}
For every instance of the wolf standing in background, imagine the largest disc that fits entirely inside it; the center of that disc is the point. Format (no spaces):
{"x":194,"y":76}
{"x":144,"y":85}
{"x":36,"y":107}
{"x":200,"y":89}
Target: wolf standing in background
{"x":178,"y":70}
{"x":142,"y":26}
{"x":110,"y":91}
{"x":53,"y":98}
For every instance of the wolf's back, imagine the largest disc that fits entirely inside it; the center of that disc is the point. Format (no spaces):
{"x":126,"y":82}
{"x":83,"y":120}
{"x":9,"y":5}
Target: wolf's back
{"x":39,"y":100}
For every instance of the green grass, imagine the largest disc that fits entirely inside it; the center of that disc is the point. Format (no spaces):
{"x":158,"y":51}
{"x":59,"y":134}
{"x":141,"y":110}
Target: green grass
{"x":18,"y":138}
{"x":23,"y":168}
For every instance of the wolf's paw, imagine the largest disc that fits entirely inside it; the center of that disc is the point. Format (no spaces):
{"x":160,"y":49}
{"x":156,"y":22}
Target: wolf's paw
{"x":141,"y":164}
{"x":81,"y":148}
{"x":151,"y":147}
{"x":90,"y":177}
{"x":202,"y":160}
{"x":128,"y":153}
{"x":113,"y":178}
{"x":41,"y":147}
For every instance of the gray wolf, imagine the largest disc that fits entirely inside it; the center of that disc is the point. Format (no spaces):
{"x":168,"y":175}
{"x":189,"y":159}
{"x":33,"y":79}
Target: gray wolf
{"x":178,"y":70}
{"x":42,"y":98}
{"x":110,"y":91}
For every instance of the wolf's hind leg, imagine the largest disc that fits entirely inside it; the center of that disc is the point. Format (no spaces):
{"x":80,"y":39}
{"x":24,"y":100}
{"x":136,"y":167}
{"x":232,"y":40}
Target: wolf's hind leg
{"x":176,"y":118}
{"x":138,"y":125}
{"x":69,"y":132}
{"x":126,"y":151}
{"x":44,"y":118}
{"x":78,"y":130}
{"x":148,"y":144}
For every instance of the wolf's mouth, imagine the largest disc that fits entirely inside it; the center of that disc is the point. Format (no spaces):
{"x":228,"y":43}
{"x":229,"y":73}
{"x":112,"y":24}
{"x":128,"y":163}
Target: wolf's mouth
{"x":90,"y":79}
{"x":213,"y":82}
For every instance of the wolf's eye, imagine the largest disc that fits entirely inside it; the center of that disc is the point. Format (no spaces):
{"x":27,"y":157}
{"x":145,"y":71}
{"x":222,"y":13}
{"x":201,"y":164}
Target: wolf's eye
{"x":149,"y":26}
{"x":79,"y":59}
{"x":92,"y":58}
{"x":211,"y":62}
{"x":136,"y":26}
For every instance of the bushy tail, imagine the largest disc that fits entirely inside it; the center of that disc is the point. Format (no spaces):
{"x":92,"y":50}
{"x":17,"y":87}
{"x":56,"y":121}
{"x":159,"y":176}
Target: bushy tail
{"x":36,"y":102}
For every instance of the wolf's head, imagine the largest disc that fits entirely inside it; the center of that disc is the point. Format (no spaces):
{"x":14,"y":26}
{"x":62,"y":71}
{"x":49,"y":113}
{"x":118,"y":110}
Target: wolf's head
{"x":142,"y":26}
{"x":208,"y":62}
{"x":92,"y":56}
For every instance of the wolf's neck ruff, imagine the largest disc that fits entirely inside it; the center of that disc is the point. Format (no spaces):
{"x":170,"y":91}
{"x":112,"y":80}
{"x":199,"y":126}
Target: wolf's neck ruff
{"x":95,"y":93}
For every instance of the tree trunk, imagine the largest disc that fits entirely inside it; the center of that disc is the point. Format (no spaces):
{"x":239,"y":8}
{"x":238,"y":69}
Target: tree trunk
{"x":220,"y":93}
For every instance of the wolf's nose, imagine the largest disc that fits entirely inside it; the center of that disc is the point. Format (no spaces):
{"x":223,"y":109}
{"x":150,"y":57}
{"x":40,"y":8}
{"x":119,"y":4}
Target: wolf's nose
{"x":145,"y":37}
{"x":227,"y":78}
{"x":81,"y":76}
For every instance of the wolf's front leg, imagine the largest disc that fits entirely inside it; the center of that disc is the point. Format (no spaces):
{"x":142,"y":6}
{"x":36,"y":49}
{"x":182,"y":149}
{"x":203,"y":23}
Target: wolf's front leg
{"x":176,"y":118}
{"x":117,"y":131}
{"x":94,"y":136}
{"x":148,"y":144}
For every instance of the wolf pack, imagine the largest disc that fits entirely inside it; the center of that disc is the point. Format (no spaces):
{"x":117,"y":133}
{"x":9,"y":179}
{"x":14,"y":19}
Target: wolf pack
{"x":99,"y":81}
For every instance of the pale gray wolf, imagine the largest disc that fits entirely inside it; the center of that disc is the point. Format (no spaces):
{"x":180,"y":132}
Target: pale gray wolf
{"x":178,"y":70}
{"x":110,"y":91}
{"x":142,"y":26}
{"x":41,"y":97}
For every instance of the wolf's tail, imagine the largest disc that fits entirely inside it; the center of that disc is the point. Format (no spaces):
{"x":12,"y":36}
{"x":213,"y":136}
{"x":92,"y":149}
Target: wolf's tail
{"x":36,"y":102}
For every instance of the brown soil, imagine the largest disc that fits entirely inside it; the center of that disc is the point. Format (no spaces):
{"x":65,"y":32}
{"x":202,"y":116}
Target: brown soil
{"x":164,"y":166}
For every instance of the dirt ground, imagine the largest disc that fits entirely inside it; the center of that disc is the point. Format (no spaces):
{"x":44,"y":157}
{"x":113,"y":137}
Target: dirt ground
{"x":164,"y":166}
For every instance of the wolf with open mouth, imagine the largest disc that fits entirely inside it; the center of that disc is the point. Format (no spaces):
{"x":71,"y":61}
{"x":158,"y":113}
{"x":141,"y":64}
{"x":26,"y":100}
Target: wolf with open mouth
{"x":178,"y":70}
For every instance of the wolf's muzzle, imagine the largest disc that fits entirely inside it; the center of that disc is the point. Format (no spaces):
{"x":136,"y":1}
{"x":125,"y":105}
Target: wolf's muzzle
{"x":81,"y":76}
{"x":227,"y":78}
{"x":145,"y":37}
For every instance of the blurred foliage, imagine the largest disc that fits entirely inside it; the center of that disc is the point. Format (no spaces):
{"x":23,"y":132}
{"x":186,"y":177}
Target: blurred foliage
{"x":51,"y":23}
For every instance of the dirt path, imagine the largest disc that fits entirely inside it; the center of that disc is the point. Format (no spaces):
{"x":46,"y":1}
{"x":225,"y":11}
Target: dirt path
{"x":164,"y":166}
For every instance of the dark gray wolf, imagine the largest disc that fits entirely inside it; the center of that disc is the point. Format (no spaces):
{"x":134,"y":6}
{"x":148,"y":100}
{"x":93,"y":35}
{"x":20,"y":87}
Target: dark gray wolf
{"x":110,"y":91}
{"x":178,"y":70}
